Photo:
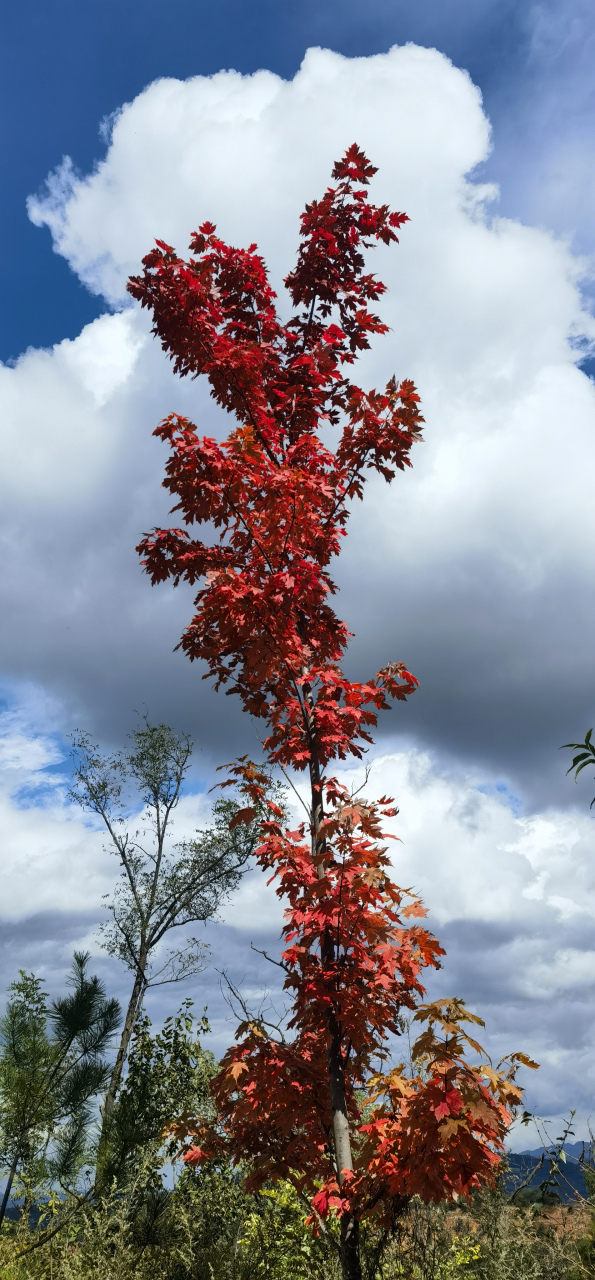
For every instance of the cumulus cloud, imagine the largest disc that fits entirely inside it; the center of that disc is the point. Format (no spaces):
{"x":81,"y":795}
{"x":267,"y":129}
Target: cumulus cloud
{"x":253,"y":148}
{"x":469,"y":851}
{"x":56,"y":442}
{"x":476,"y":566}
{"x":512,"y":897}
{"x":484,"y":579}
{"x":52,"y":860}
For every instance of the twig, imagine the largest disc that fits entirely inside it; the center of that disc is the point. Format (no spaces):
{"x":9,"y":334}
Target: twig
{"x":278,"y":963}
{"x":248,"y":1016}
{"x":368,"y":771}
{"x":288,"y":781}
{"x":529,"y":1177}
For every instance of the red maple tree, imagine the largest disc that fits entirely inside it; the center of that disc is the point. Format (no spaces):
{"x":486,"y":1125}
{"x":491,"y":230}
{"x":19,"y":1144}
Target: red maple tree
{"x":292,"y":1104}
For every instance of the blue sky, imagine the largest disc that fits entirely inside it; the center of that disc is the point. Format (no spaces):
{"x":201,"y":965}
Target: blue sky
{"x":477,"y":568}
{"x":66,"y":67}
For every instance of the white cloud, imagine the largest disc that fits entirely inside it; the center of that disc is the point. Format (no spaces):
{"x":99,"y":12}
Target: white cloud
{"x":466,"y":849}
{"x":56,"y":856}
{"x":514,"y":881}
{"x":567,"y":967}
{"x":476,"y":566}
{"x":461,"y":845}
{"x":52,"y":860}
{"x":60,"y":425}
{"x":512,"y":898}
{"x":483,"y":312}
{"x":247,"y":152}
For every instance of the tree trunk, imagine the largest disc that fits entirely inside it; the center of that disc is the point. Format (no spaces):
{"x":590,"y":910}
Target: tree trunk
{"x":351,"y":1268}
{"x":134,"y":1004}
{"x":336,"y":1074}
{"x":350,"y":1252}
{"x":8,"y":1189}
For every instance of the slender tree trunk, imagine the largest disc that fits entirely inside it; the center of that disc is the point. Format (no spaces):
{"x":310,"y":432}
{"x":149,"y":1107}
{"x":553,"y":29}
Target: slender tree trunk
{"x":134,"y":1004}
{"x":350,"y":1251}
{"x":8,"y":1188}
{"x":336,"y":1071}
{"x":336,"y":1074}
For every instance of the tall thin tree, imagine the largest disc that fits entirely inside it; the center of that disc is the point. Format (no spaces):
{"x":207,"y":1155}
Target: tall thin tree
{"x":277,"y":498}
{"x":163,"y":886}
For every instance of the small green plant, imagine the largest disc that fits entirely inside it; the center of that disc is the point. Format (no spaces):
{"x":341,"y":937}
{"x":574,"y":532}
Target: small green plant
{"x":276,"y":1241}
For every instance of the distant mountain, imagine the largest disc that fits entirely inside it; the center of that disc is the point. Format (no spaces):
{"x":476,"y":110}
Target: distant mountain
{"x":570,"y":1148}
{"x":569,"y":1178}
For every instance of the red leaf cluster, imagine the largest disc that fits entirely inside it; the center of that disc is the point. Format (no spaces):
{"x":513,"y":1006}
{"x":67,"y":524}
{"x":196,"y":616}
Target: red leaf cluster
{"x":437,"y":1133}
{"x":276,"y":494}
{"x":309,"y":1103}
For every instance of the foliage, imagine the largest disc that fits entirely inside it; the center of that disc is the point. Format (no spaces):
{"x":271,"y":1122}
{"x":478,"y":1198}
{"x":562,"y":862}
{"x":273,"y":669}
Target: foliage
{"x":275,"y":498}
{"x":168,"y":1074}
{"x":52,"y":1066}
{"x":276,"y":1240}
{"x":206,"y":1228}
{"x":162,"y":887}
{"x":433,"y":1134}
{"x":276,"y":493}
{"x":487,"y":1239}
{"x":585,"y":757}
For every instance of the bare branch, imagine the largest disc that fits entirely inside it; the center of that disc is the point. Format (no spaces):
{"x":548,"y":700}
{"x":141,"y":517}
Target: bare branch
{"x":278,"y":963}
{"x":248,"y":1016}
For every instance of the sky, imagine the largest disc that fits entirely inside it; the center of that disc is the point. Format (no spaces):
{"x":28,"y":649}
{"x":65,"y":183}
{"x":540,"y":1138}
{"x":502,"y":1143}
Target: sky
{"x":123,"y":123}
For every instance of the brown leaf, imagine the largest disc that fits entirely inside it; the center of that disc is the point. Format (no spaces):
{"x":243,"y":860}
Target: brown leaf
{"x":243,"y":815}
